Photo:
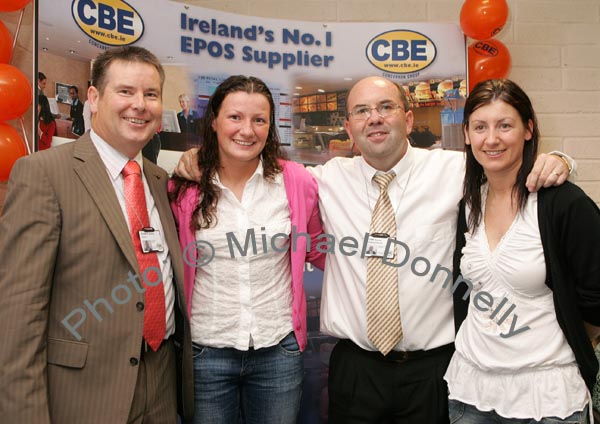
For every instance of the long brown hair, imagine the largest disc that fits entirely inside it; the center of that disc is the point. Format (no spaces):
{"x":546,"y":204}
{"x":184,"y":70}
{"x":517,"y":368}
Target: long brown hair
{"x":483,"y":94}
{"x":208,"y":155}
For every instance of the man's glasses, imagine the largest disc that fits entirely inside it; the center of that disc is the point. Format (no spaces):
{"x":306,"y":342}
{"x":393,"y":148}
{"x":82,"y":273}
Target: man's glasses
{"x":362,"y":113}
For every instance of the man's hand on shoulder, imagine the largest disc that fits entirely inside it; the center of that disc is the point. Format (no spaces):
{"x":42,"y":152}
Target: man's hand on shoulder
{"x":548,"y":170}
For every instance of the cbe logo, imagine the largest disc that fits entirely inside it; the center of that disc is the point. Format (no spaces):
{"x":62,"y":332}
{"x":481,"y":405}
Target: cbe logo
{"x":111,"y":22}
{"x":401,"y":51}
{"x":485,"y":49}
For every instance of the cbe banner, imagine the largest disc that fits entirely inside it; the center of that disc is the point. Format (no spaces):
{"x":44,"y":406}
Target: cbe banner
{"x":309,"y":67}
{"x":200,"y":47}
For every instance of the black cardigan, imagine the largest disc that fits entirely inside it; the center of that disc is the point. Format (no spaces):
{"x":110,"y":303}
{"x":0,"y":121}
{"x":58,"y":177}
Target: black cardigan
{"x":569,"y":224}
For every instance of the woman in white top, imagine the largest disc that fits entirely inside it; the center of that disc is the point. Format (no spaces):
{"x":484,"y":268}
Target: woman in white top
{"x":532,"y":269}
{"x":246,"y":229}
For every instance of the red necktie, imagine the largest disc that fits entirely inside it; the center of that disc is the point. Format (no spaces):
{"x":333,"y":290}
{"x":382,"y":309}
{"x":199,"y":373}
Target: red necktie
{"x":137,"y":213}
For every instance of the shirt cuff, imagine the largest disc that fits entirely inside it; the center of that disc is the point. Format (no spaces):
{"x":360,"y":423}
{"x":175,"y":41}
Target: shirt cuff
{"x":571,"y":163}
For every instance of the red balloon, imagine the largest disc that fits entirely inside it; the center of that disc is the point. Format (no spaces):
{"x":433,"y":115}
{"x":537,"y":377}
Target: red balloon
{"x":15,"y":93}
{"x":12,"y":5}
{"x":483,"y":19}
{"x":488,"y":59}
{"x":12,"y":148}
{"x":5,"y":44}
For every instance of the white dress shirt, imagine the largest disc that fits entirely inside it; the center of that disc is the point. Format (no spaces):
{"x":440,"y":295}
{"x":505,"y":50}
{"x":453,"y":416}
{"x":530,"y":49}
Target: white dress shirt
{"x":425,"y":195}
{"x":114,"y":161}
{"x":246,"y":300}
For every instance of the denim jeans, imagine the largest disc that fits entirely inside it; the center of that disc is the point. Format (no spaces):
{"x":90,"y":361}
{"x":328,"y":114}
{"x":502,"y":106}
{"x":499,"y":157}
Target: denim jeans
{"x":261,"y":386}
{"x":462,"y":413}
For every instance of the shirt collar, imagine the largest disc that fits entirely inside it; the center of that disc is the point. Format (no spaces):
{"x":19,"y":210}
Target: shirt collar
{"x":113,"y":159}
{"x":258,"y":173}
{"x":402,"y":168}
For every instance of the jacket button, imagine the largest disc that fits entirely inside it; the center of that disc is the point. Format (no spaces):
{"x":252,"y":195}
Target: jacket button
{"x":133,"y":361}
{"x":139,"y":306}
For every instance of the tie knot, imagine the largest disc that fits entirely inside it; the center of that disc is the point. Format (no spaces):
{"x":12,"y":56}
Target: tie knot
{"x":132,"y":167}
{"x":383,"y":180}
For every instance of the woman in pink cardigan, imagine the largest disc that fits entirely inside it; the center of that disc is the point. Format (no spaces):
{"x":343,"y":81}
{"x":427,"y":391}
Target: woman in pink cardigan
{"x":246,"y":230}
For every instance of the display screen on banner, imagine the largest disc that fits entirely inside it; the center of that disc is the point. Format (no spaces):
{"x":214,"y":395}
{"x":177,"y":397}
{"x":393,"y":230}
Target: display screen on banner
{"x":309,"y":67}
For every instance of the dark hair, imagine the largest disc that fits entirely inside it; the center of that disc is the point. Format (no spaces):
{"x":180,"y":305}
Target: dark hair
{"x":125,"y":54}
{"x":41,"y":76}
{"x":45,"y":113}
{"x":74,"y":87}
{"x":483,"y":94}
{"x":208,"y":155}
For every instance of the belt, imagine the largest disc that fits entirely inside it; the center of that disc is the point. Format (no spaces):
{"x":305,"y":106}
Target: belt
{"x":400,"y":356}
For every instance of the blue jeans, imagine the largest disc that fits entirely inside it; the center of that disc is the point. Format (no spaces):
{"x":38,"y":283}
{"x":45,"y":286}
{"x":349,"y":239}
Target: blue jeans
{"x":261,"y":386}
{"x":462,"y":413}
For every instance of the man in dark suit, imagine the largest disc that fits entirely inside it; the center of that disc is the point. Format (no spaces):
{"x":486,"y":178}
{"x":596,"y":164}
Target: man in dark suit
{"x":152,"y":149}
{"x":41,"y":83}
{"x":76,"y":113}
{"x":90,"y":329}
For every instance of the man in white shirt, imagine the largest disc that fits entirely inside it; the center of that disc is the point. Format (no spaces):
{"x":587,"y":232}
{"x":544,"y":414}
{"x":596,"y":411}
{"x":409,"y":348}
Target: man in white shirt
{"x":88,"y":334}
{"x":406,"y":385}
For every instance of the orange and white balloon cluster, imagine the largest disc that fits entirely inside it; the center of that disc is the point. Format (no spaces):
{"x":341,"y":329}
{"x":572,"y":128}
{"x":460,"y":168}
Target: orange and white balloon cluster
{"x":487,"y":57}
{"x":15,"y":95}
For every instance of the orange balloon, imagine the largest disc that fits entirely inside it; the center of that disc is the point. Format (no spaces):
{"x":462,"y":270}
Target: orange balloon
{"x":483,"y":19}
{"x":5,"y":44}
{"x":12,"y":148}
{"x":488,"y":59}
{"x":12,"y":5}
{"x":15,"y":93}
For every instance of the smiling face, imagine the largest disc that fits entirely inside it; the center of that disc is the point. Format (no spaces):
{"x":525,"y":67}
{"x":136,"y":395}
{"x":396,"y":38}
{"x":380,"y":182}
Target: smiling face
{"x":381,"y":141}
{"x":184,"y":102}
{"x":242,"y":127}
{"x":497,"y":135}
{"x":129,"y":110}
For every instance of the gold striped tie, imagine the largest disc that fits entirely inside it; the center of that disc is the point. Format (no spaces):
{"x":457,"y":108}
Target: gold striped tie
{"x":383,"y":310}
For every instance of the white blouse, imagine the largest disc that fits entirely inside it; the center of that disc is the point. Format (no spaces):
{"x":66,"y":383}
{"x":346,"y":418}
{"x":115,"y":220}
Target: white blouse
{"x":511,"y":354}
{"x":246,"y":300}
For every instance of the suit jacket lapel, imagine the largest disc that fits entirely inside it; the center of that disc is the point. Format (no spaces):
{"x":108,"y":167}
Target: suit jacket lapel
{"x":92,"y":172}
{"x":157,"y":181}
{"x":158,"y":189}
